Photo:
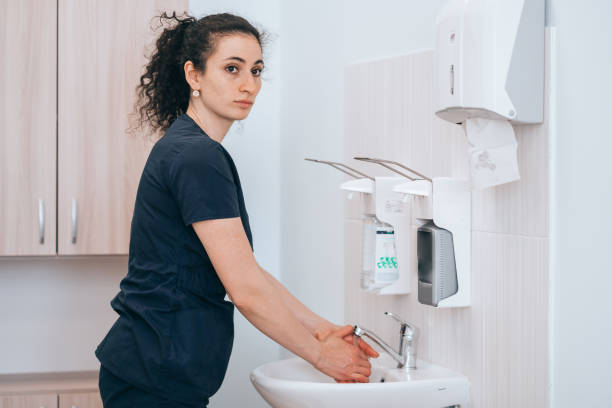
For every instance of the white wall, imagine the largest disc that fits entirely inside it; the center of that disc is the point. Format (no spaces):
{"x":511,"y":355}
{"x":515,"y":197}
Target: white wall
{"x":54,"y":312}
{"x":319,"y":39}
{"x":581,"y":203}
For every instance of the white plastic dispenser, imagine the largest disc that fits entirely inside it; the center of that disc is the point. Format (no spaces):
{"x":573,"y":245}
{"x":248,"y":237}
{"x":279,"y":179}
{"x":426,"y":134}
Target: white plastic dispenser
{"x":391,"y":208}
{"x":489,"y":65}
{"x":490,"y":60}
{"x":379,"y":266}
{"x":386,"y":231}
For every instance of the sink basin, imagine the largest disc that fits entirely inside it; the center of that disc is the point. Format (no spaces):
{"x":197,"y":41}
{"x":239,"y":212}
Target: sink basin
{"x":294,"y":383}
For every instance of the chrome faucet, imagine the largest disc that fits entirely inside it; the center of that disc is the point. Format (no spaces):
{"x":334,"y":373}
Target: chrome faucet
{"x":409,"y":336}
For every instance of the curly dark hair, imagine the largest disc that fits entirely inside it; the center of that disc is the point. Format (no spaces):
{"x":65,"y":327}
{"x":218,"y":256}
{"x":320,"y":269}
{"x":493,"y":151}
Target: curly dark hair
{"x":163,"y":92}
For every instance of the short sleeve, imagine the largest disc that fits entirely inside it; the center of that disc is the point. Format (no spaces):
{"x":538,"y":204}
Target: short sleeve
{"x":202,"y":184}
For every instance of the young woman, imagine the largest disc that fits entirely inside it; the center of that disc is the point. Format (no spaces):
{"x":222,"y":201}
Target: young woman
{"x":190,"y":240}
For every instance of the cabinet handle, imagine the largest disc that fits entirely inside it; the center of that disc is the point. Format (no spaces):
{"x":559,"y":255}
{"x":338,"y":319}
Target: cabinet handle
{"x":452,"y":79}
{"x":41,"y":221}
{"x":74,"y":220}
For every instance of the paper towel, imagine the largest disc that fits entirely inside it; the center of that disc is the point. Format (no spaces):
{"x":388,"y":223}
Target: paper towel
{"x":492,"y":152}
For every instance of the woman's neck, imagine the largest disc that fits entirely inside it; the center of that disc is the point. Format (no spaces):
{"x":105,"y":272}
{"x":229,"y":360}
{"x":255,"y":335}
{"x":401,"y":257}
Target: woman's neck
{"x":213,"y":125}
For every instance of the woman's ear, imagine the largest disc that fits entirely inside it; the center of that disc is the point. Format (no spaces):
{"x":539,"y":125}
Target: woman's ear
{"x":192,"y":75}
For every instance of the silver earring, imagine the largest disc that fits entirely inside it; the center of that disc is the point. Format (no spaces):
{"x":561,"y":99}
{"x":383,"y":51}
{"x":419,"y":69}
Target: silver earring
{"x":196,"y":93}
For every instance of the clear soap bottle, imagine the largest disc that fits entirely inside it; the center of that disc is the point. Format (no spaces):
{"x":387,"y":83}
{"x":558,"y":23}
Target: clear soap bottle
{"x":385,"y":268}
{"x":379,"y":258}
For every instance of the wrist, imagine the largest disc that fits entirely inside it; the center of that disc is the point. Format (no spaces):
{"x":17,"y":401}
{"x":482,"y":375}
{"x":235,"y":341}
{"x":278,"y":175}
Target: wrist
{"x":317,"y":354}
{"x":324,"y":329}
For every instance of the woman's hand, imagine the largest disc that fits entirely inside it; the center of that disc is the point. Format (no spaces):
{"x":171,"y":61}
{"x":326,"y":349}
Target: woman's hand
{"x":342,"y":360}
{"x":327,"y":328}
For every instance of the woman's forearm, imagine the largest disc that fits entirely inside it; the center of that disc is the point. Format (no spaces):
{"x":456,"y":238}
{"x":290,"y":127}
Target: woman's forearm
{"x":261,"y":305}
{"x":312,"y":321}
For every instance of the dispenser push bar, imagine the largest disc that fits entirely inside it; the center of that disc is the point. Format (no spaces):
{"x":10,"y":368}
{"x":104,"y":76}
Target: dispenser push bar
{"x":383,"y":162}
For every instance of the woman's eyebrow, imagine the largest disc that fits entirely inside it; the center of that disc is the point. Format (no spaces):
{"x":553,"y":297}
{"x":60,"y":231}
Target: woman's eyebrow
{"x":243,"y":61}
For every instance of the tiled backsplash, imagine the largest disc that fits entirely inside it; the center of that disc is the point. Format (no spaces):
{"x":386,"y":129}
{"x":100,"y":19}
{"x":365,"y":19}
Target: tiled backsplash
{"x":501,"y":341}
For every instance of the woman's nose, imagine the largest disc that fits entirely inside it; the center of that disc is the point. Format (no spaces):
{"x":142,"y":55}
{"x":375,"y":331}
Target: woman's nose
{"x":248,"y":84}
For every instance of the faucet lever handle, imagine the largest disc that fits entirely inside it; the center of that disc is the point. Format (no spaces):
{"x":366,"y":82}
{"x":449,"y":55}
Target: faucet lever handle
{"x":413,"y":331}
{"x":397,"y":318}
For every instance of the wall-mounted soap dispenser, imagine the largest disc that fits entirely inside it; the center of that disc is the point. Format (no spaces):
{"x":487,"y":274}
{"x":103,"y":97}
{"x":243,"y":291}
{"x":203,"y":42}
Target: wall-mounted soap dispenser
{"x":392,"y":209}
{"x":384,"y":246}
{"x":437,"y":270}
{"x":444,"y":239}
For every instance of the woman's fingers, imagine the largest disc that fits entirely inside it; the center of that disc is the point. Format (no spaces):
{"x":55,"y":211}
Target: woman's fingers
{"x":364,"y":363}
{"x":365,"y":371}
{"x":342,"y":360}
{"x":360,"y":378}
{"x":365,"y":347}
{"x":343,"y":331}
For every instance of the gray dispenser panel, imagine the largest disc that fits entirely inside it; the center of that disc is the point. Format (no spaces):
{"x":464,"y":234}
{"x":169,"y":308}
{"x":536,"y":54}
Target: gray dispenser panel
{"x":436,"y":264}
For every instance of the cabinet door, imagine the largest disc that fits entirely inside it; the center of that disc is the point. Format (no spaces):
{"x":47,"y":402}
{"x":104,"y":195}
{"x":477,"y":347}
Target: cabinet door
{"x":28,"y":101}
{"x":80,"y":400}
{"x":101,"y":58}
{"x":30,"y":401}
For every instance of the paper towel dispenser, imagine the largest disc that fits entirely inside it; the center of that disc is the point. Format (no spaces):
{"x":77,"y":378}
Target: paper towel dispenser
{"x":489,"y":60}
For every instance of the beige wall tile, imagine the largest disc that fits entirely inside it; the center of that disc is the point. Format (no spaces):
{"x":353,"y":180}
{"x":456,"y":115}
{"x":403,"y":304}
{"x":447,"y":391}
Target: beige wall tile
{"x":500,"y":341}
{"x":520,"y":207}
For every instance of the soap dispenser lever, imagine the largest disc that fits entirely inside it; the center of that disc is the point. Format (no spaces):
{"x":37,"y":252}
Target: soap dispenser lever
{"x":338,"y":166}
{"x":382,"y":163}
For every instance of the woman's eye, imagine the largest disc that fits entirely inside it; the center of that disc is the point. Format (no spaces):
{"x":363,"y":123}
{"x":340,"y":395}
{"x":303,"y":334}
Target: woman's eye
{"x":231,"y":69}
{"x":257,"y":71}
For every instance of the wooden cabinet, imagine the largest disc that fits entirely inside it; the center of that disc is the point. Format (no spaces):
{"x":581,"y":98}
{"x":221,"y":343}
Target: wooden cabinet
{"x":63,"y":400}
{"x":68,"y":86}
{"x":29,"y":401}
{"x":50,"y":390}
{"x":28,"y":93}
{"x":80,"y":400}
{"x":101,"y":57}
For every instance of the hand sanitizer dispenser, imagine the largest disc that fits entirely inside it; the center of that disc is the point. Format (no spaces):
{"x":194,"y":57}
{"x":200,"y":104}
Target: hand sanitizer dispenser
{"x":490,"y":60}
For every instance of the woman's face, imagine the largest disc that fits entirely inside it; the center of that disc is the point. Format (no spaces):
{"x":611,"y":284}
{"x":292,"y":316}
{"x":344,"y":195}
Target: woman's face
{"x":232,"y":77}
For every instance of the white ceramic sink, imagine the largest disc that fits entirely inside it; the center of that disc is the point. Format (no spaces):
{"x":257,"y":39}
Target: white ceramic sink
{"x":293,"y":383}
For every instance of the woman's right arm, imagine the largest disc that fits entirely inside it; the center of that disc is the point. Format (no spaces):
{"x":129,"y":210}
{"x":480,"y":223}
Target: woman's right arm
{"x":257,"y":299}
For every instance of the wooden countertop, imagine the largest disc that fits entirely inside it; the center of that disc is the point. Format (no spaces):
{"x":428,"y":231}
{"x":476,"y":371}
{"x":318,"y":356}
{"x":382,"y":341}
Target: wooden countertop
{"x":36,"y":383}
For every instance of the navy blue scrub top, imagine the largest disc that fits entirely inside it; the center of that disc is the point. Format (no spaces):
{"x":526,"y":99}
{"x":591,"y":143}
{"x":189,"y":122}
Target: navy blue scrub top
{"x":175,"y":331}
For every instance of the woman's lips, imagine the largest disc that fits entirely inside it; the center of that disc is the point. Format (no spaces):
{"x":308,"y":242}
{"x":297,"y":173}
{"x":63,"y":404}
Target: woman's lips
{"x":244,"y":104}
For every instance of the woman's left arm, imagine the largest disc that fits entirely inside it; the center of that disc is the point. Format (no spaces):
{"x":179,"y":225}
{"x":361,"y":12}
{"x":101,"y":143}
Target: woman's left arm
{"x":317,"y":325}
